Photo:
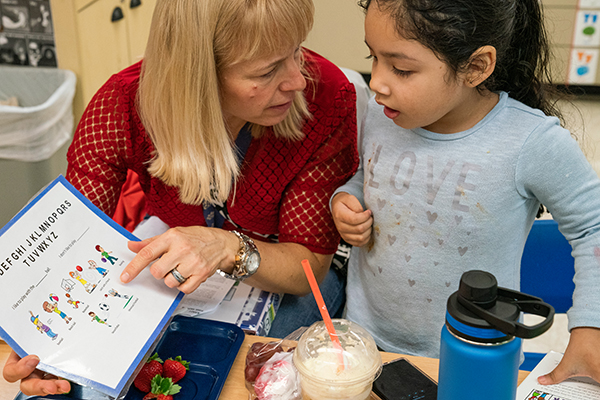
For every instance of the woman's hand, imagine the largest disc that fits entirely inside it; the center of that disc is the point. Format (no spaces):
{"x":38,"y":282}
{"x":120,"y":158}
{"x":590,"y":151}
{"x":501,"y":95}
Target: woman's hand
{"x":582,"y":357}
{"x":195,"y":251}
{"x":33,"y":382}
{"x":198,"y":251}
{"x":353,"y":223}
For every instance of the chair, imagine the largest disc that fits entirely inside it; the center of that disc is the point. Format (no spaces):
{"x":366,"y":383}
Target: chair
{"x":547,"y":270}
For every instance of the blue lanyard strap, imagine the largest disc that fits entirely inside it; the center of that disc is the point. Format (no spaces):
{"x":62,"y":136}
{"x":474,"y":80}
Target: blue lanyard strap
{"x":212,"y":216}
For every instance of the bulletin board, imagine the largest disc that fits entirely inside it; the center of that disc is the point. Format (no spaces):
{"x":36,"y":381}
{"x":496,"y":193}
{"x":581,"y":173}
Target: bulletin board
{"x":574,"y":33}
{"x":583,"y":66}
{"x":27,"y":33}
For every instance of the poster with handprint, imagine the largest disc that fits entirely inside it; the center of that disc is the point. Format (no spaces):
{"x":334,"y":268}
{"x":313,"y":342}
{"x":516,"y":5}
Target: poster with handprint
{"x":60,"y":263}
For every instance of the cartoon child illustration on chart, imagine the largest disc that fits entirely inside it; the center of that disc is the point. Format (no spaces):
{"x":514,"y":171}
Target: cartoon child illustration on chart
{"x":101,"y":271}
{"x":53,"y":307}
{"x":537,"y":395}
{"x":73,"y":302}
{"x":106,"y":255}
{"x":89,"y":274}
{"x":41,"y":327}
{"x":97,"y":319}
{"x":114,"y":293}
{"x":89,"y":287}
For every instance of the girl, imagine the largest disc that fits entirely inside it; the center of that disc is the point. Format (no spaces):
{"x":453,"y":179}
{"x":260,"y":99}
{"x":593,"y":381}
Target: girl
{"x":458,"y":151}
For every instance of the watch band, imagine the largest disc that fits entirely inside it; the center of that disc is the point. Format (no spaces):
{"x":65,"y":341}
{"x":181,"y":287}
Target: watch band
{"x":240,"y":267}
{"x":229,"y":276}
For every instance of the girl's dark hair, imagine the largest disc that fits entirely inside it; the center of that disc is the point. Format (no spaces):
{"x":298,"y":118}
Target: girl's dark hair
{"x":455,"y":29}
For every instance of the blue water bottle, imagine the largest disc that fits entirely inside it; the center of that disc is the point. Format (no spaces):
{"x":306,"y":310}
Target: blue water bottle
{"x":481,"y":346}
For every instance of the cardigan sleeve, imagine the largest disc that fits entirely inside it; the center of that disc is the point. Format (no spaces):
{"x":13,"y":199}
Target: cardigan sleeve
{"x":304,"y":216}
{"x":96,"y":157}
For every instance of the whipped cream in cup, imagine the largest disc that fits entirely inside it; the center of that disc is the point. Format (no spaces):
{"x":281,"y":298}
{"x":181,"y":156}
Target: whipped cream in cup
{"x":318,"y":362}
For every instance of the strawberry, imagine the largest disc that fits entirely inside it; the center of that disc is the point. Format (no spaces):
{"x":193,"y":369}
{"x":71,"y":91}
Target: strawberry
{"x":152,"y":368}
{"x":175,"y":368}
{"x":162,"y":389}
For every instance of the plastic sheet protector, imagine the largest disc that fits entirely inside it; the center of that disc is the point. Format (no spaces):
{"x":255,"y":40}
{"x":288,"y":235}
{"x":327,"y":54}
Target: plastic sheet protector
{"x":60,"y":263}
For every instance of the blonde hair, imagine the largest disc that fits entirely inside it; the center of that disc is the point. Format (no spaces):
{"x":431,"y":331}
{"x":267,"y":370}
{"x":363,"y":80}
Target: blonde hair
{"x":179,"y":96}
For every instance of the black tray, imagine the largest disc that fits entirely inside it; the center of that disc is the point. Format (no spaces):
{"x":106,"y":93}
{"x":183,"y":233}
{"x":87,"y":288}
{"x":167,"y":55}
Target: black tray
{"x":209,"y":346}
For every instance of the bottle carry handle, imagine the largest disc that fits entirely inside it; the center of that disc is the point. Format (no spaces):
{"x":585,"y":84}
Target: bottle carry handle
{"x":526,"y":303}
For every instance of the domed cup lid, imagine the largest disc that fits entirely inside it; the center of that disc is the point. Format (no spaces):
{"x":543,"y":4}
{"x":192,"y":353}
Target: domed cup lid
{"x":316,"y":356}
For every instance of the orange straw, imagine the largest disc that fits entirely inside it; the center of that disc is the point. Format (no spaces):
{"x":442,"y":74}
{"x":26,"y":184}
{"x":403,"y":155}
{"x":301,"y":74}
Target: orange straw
{"x":324,"y":313}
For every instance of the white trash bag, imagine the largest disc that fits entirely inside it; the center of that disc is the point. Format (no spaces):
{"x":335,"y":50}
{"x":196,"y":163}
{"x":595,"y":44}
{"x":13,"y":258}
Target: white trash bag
{"x":43,"y":120}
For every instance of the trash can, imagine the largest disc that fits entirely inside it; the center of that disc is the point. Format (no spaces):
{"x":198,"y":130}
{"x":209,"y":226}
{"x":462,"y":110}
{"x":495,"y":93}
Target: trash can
{"x":34,"y":133}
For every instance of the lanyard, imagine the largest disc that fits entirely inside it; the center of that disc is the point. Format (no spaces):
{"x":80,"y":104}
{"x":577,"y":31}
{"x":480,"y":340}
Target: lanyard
{"x":212,"y":217}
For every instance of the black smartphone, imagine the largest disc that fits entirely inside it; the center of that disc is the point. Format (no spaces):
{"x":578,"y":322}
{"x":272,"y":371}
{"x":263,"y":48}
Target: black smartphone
{"x":402,"y":380}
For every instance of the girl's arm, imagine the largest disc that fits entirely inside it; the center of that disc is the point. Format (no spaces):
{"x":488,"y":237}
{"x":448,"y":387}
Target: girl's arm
{"x":352,"y":221}
{"x":555,"y":171}
{"x":582,"y":357}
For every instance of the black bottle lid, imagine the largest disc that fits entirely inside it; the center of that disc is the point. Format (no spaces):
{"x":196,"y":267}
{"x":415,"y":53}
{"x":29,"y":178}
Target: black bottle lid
{"x":479,"y":287}
{"x":483,"y":312}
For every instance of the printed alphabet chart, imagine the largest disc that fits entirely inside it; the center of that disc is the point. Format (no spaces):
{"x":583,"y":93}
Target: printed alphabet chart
{"x":60,"y":263}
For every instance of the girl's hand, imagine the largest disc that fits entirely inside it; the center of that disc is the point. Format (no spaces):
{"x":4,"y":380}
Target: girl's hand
{"x":352,"y":222}
{"x":195,"y":251}
{"x":582,"y":357}
{"x":33,"y":381}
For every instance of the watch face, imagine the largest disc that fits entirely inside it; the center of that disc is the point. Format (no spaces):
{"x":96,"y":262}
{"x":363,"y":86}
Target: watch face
{"x":252,"y":263}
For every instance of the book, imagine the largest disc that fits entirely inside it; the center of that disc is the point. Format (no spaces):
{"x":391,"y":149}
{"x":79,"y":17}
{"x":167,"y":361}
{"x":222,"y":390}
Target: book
{"x":60,"y":265}
{"x":577,"y":388}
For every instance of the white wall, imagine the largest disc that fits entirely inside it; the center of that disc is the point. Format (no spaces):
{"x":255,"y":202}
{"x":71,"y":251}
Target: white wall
{"x":338,"y":34}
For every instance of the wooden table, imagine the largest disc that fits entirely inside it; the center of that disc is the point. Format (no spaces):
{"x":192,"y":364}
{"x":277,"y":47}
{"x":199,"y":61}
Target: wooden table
{"x":234,"y":385}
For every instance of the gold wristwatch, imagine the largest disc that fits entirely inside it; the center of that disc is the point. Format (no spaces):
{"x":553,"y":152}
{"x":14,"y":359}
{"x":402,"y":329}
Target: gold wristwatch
{"x":247,"y":259}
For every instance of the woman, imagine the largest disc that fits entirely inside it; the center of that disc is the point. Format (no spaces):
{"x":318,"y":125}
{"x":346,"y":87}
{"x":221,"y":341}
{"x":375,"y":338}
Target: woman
{"x":233,"y":127}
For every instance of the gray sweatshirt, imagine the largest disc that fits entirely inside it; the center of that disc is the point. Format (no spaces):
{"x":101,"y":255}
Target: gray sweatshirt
{"x":444,"y":204}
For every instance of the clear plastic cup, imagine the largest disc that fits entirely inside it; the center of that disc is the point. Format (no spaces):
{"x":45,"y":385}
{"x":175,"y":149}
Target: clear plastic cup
{"x":317,"y":361}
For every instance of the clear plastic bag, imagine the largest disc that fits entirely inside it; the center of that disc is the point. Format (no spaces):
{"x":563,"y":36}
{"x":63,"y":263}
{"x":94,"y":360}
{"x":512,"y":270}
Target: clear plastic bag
{"x":278,"y":379}
{"x":270,"y":373}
